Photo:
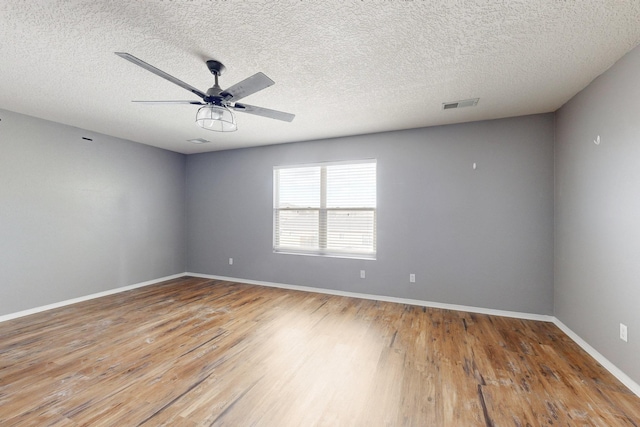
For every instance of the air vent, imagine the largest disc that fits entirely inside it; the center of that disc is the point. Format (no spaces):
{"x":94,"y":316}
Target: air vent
{"x":198,"y":141}
{"x":460,"y":104}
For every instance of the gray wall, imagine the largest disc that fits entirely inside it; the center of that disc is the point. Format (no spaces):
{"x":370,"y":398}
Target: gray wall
{"x":481,"y":238}
{"x":597,"y":270}
{"x":79,"y":217}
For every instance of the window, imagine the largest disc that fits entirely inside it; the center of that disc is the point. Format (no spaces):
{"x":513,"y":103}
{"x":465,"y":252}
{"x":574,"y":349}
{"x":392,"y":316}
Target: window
{"x":325,"y":209}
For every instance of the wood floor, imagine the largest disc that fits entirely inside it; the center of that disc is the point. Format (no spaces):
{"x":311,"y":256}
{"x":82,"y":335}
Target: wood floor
{"x":198,"y":352}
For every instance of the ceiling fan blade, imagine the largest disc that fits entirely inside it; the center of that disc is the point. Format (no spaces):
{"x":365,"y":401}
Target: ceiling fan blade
{"x":248,"y":86}
{"x":264,"y":112}
{"x":171,"y":102}
{"x":158,"y":72}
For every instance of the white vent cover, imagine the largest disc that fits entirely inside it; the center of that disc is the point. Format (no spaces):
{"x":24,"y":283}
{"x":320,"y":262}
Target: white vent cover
{"x":460,"y":104}
{"x":198,"y":140}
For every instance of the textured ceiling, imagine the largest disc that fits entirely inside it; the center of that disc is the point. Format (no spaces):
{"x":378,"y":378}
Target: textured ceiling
{"x":344,"y":67}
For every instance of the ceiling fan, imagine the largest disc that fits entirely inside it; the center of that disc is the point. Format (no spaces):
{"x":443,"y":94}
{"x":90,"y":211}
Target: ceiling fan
{"x":215,"y":113}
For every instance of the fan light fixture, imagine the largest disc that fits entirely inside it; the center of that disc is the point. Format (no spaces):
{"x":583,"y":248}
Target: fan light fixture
{"x":216,"y":118}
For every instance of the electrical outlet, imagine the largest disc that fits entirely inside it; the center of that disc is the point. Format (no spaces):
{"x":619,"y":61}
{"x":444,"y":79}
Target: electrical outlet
{"x":230,"y":261}
{"x":412,"y":278}
{"x":362,"y":275}
{"x":623,"y":332}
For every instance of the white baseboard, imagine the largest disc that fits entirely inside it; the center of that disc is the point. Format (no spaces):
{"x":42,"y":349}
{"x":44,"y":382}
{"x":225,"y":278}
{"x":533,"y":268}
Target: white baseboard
{"x":613,"y":369}
{"x":470,"y":309}
{"x":86,"y":297}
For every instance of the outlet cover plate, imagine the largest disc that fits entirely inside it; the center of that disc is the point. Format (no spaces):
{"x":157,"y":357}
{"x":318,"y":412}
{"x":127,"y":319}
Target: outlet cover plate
{"x":623,"y":332}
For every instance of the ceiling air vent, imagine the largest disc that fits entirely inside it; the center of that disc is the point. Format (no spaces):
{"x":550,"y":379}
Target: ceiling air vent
{"x":460,"y":104}
{"x":198,"y":141}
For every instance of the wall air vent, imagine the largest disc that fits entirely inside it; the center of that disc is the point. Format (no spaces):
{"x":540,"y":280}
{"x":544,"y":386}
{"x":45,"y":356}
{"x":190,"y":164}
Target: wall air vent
{"x":460,"y":104}
{"x":198,"y":141}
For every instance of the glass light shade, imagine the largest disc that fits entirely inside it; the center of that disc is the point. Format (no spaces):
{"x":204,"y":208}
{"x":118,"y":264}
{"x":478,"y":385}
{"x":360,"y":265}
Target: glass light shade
{"x":216,"y":118}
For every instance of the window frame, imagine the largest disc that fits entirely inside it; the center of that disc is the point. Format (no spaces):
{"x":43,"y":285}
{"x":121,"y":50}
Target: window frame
{"x":323,"y":214}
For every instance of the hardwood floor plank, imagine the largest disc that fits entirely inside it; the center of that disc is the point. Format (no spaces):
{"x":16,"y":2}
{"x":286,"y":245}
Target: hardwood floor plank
{"x":198,"y":352}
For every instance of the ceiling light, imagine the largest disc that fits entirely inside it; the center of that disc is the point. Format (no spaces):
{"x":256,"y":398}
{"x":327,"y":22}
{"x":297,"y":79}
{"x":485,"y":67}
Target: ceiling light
{"x":216,"y":118}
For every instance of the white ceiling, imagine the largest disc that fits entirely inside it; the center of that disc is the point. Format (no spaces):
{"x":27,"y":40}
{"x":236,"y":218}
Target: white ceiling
{"x":344,"y":67}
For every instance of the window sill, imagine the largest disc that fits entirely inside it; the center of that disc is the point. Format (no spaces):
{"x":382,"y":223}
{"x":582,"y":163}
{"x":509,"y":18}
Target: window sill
{"x":367,"y":257}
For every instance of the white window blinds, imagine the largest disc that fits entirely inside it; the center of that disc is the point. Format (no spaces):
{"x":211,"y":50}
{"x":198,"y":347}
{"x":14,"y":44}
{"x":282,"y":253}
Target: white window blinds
{"x":325,"y":209}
